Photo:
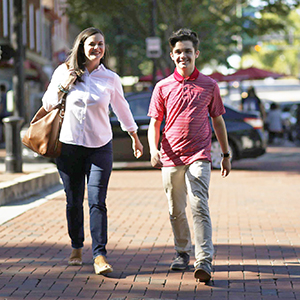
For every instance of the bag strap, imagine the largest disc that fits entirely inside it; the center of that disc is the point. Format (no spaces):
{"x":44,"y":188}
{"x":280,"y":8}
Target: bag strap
{"x":63,"y":106}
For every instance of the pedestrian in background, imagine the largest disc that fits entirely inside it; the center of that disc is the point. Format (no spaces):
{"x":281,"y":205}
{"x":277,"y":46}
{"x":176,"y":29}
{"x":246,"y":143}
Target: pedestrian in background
{"x":86,"y":135}
{"x":184,"y":100}
{"x":274,"y":121}
{"x":252,"y":103}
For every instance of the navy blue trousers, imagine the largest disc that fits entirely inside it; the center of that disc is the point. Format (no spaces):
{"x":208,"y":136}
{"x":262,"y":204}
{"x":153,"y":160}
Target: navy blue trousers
{"x":78,"y":165}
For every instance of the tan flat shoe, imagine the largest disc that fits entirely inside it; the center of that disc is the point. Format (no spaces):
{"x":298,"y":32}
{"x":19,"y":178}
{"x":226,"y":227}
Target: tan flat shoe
{"x":75,"y":257}
{"x":101,"y":265}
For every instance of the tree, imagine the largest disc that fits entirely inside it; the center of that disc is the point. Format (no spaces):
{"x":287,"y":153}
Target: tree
{"x":126,"y":25}
{"x":279,"y":51}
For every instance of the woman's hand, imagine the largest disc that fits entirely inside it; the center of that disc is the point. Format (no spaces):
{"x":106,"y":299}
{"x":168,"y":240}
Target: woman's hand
{"x":137,"y":146}
{"x":70,"y":79}
{"x":64,"y":87}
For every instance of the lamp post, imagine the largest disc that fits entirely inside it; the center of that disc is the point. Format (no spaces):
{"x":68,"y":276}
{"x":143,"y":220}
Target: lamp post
{"x":153,"y":33}
{"x":17,"y":43}
{"x":13,"y":160}
{"x":153,"y":43}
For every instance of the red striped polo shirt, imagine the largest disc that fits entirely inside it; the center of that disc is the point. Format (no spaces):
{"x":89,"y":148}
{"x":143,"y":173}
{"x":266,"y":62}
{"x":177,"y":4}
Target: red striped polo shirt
{"x":186,"y":104}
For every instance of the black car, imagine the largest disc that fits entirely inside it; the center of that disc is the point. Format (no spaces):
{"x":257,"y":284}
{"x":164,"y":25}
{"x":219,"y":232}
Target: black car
{"x":245,"y":133}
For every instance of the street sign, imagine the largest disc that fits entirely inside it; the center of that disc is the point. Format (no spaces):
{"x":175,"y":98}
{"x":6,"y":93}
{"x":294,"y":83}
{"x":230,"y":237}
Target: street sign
{"x":153,"y":47}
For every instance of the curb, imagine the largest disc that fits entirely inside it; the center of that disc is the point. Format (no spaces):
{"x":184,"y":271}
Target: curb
{"x":28,"y":185}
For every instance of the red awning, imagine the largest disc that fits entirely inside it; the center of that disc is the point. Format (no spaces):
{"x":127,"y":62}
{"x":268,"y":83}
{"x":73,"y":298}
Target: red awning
{"x":159,"y":76}
{"x":251,"y":74}
{"x":217,"y":76}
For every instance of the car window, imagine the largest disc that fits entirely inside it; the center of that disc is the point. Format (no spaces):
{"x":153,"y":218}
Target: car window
{"x":138,"y":102}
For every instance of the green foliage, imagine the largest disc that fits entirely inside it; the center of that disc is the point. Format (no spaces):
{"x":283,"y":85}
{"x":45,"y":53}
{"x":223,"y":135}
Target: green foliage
{"x":280,"y":52}
{"x":127,"y":23}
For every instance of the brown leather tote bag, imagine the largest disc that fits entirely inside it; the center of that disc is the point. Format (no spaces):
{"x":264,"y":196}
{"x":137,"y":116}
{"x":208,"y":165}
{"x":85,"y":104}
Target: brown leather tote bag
{"x":42,"y":135}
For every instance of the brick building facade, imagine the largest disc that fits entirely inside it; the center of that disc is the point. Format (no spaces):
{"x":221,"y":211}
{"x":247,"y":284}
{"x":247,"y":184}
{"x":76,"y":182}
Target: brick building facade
{"x":46,"y":43}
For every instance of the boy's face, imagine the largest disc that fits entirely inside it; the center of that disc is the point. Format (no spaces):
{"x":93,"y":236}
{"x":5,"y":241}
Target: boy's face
{"x":184,"y":56}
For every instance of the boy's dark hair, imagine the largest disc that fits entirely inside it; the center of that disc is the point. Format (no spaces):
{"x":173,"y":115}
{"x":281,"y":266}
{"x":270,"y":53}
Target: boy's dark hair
{"x":184,"y":34}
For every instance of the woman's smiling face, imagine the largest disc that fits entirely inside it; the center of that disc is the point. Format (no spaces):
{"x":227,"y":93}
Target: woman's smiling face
{"x":94,"y":47}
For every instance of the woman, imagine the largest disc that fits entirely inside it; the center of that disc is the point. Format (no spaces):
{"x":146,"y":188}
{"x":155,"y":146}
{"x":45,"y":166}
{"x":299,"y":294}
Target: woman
{"x":86,"y":136}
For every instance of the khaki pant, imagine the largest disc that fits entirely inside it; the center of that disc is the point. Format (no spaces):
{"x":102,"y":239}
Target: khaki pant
{"x":192,"y":180}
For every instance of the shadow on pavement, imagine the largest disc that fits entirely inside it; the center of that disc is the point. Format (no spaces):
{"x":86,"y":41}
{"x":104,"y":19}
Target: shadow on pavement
{"x":51,"y":260}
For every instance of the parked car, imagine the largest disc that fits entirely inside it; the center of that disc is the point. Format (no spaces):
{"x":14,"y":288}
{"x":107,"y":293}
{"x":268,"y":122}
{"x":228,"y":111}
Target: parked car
{"x":245,"y":133}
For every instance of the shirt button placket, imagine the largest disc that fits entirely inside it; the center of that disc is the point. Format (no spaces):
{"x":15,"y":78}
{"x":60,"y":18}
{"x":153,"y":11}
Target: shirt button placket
{"x":185,"y":90}
{"x":184,"y":86}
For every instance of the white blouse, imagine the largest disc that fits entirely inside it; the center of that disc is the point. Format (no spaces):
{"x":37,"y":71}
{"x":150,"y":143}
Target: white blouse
{"x":86,"y":121}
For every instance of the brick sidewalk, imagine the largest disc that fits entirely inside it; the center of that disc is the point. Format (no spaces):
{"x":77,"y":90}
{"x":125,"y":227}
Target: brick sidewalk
{"x":256,"y":232}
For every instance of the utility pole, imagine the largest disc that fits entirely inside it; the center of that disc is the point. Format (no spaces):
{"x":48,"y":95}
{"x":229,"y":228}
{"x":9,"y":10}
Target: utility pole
{"x":13,"y":159}
{"x":17,"y":43}
{"x":153,"y":33}
{"x":153,"y":43}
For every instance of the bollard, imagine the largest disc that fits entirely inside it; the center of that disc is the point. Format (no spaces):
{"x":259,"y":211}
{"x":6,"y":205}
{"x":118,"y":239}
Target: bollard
{"x":13,"y":159}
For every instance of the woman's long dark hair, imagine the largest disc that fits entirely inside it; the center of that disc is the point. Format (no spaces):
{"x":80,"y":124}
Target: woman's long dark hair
{"x":77,"y":59}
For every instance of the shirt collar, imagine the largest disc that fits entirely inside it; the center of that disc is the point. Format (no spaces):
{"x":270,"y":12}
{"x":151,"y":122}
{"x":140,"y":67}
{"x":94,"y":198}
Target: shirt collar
{"x":193,"y":76}
{"x":101,"y":66}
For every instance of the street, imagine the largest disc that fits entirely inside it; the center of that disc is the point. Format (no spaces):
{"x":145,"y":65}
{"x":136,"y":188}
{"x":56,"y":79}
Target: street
{"x":256,"y":234}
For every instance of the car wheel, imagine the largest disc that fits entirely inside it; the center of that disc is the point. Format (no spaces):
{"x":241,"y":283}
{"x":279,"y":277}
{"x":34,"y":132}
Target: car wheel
{"x":216,"y":154}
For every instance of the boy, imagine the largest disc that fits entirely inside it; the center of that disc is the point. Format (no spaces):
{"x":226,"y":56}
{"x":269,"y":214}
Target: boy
{"x":185,"y":99}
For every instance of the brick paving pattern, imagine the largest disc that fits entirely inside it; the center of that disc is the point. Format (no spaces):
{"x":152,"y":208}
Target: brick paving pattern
{"x":256,"y":233}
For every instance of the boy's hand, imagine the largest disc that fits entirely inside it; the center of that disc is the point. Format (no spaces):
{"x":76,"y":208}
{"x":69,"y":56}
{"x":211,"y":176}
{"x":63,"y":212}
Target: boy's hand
{"x":155,"y":160}
{"x":225,"y":167}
